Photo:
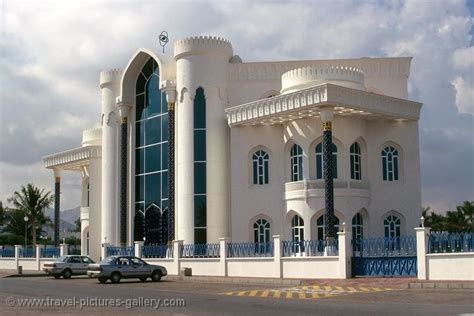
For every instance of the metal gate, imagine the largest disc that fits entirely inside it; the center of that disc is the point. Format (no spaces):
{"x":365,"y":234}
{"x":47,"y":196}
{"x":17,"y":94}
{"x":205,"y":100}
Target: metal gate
{"x":384,"y":257}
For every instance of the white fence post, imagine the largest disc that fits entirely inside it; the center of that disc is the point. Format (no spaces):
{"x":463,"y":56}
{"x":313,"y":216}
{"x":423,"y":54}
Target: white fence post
{"x":139,"y":249}
{"x":177,"y":244}
{"x":17,"y":256}
{"x":345,"y":253}
{"x":277,"y":256}
{"x":223,"y":244}
{"x":103,"y":251}
{"x":421,"y":246}
{"x":38,"y":255}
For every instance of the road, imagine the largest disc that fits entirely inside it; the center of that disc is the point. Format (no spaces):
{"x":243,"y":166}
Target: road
{"x":86,"y":296}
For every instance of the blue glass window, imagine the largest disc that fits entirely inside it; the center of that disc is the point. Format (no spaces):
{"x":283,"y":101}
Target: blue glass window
{"x":260,"y":167}
{"x":151,"y":154}
{"x":296,"y":159}
{"x":390,"y":164}
{"x":319,"y":161}
{"x":355,"y":161}
{"x":200,"y":178}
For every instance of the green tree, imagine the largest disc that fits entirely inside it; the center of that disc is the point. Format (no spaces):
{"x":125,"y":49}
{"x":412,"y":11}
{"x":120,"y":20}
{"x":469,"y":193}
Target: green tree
{"x":460,"y":220}
{"x":32,"y":202}
{"x":77,"y":222}
{"x":2,"y":214}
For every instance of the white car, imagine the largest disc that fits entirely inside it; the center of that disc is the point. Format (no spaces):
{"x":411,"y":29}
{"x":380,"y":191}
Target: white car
{"x":67,"y":266}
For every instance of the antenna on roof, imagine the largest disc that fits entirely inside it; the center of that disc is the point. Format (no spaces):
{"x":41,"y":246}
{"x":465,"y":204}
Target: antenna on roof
{"x":164,"y":39}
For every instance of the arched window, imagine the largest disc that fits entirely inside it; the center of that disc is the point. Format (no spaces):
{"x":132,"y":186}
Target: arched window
{"x":260,"y":167}
{"x":390,"y":164}
{"x":297,"y":228}
{"x":319,"y":161}
{"x":392,"y":226}
{"x":261,"y":231}
{"x":321,"y":225}
{"x":357,"y":227}
{"x":296,"y":156}
{"x":356,"y":161}
{"x":151,"y":151}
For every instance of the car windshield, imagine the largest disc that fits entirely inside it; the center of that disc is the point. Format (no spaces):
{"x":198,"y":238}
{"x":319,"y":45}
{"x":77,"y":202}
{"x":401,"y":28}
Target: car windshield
{"x":108,"y":260}
{"x":62,"y":258}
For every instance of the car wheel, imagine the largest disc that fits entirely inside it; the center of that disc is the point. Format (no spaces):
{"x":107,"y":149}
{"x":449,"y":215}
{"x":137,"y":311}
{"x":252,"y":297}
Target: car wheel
{"x":56,"y":276}
{"x":67,"y":274}
{"x":102,"y":280}
{"x":156,"y":276}
{"x":143,"y":279}
{"x":115,"y":277}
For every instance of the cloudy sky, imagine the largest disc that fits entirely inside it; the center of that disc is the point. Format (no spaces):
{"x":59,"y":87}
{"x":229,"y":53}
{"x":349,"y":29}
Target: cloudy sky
{"x":52,"y":53}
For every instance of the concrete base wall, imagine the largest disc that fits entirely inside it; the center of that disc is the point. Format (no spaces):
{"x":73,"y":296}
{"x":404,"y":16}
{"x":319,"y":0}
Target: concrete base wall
{"x":450,"y":266}
{"x":311,"y":268}
{"x":251,"y":267}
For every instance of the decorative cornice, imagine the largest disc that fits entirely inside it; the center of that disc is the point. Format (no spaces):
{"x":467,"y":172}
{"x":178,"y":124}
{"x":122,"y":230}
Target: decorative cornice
{"x":390,"y":66}
{"x":92,"y":136}
{"x":308,"y":101}
{"x":73,"y":159}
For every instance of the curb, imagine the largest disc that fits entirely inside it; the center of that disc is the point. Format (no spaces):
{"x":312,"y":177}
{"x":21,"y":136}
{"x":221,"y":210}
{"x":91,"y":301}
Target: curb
{"x":26,"y":275}
{"x":440,"y":285}
{"x":233,"y":280}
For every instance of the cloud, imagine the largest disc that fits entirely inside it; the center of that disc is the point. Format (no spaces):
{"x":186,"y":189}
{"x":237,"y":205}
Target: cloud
{"x":52,"y":53}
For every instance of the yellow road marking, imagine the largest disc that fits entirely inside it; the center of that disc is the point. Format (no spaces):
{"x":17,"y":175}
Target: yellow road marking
{"x":314,"y":295}
{"x":328,"y":288}
{"x":241,"y":293}
{"x":352,"y":289}
{"x":276,"y":294}
{"x":340,"y":288}
{"x":289,"y":294}
{"x":302,"y":295}
{"x":364,"y":289}
{"x":264,"y":293}
{"x":253,"y":293}
{"x":376,"y":289}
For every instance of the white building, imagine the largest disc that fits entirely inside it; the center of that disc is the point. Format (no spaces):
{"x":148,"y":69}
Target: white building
{"x":247,"y":153}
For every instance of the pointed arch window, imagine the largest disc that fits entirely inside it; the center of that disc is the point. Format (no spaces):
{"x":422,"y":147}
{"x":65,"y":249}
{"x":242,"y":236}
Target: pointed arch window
{"x":392,"y":226}
{"x":356,"y":161}
{"x":357,"y":226}
{"x":390,"y":160}
{"x":321,"y":226}
{"x":297,"y":228}
{"x":261,"y":231}
{"x":260,"y":162}
{"x":296,"y":157}
{"x":319,"y":161}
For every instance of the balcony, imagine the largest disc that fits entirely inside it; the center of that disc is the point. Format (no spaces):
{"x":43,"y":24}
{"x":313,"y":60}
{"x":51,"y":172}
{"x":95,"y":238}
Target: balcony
{"x":315,"y":189}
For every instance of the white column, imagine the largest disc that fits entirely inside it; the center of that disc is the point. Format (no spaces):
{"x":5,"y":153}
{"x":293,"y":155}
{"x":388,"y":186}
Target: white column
{"x":177,"y":244}
{"x":139,"y":249}
{"x":185,"y":176}
{"x":345,"y":253}
{"x":110,"y":87}
{"x":421,"y":246}
{"x":17,"y":255}
{"x":223,"y":244}
{"x":38,"y":255}
{"x":63,"y":250}
{"x":277,"y":256}
{"x":217,"y":156}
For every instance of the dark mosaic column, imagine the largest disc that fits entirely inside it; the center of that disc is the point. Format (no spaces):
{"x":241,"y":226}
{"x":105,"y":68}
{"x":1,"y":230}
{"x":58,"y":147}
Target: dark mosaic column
{"x":171,"y":172}
{"x":328,"y":182}
{"x":123,"y":181}
{"x":57,"y":192}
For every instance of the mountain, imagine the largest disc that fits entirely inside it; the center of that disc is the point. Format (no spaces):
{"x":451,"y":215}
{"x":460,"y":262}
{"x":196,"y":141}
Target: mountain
{"x":68,"y":217}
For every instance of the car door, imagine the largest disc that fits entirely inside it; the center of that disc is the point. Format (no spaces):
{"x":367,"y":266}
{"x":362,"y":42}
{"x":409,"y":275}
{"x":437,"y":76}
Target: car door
{"x":125,"y":267}
{"x":76,"y":265}
{"x":139,"y":267}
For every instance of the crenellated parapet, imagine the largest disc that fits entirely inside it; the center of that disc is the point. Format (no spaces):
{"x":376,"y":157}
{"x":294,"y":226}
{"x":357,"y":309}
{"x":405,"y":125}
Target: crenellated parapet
{"x":202,"y":45}
{"x":111,"y":76}
{"x":92,"y":137}
{"x":305,"y":77}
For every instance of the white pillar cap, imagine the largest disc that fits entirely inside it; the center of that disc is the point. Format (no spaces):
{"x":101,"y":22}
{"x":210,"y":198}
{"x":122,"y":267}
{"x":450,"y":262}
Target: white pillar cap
{"x":327,"y":115}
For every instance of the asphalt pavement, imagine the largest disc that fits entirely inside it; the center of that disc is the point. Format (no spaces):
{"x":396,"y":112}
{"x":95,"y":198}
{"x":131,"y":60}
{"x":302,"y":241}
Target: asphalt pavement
{"x":48,"y":296}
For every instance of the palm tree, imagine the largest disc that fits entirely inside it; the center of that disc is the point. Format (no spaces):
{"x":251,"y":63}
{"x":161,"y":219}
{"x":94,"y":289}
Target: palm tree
{"x":32,"y":202}
{"x":2,"y":214}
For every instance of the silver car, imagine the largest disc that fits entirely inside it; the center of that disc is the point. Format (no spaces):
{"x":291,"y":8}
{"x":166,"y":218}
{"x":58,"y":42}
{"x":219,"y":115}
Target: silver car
{"x":66,"y":266}
{"x":127,"y":267}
